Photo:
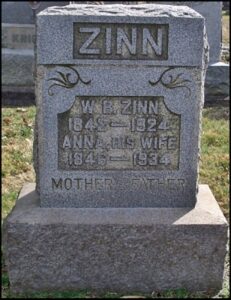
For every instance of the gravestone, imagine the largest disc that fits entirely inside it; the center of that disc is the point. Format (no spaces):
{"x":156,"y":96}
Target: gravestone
{"x":18,"y":64}
{"x":18,"y":34}
{"x":212,"y":12}
{"x":118,"y":206}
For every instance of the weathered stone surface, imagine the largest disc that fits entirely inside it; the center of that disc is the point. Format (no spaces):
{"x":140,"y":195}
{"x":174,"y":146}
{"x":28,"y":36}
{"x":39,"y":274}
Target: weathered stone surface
{"x":18,"y":36}
{"x":116,"y":249}
{"x":18,"y":96}
{"x":20,"y":12}
{"x":177,"y":17}
{"x":17,"y":67}
{"x":217,"y":80}
{"x":212,"y":12}
{"x":18,"y":64}
{"x":120,"y":129}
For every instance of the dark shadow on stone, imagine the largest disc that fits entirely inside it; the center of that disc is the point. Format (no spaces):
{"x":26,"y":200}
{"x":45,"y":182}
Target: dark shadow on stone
{"x":221,"y":112}
{"x":15,"y":99}
{"x":216,"y":100}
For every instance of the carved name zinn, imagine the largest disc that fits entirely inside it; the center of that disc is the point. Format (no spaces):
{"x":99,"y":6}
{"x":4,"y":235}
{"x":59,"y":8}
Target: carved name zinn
{"x":120,"y":41}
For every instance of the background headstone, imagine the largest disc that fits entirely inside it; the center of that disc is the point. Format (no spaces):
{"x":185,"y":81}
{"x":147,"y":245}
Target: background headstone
{"x":18,"y":32}
{"x":20,"y":12}
{"x":18,"y":36}
{"x":216,"y":89}
{"x":212,"y":12}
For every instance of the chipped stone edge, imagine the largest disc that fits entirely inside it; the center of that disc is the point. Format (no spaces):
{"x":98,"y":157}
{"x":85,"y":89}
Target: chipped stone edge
{"x":154,"y":10}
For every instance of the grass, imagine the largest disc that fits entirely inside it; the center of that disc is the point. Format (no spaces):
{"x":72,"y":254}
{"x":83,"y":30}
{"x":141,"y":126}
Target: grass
{"x":225,"y":29}
{"x":17,"y":140}
{"x":214,"y":165}
{"x":225,"y":35}
{"x":178,"y":294}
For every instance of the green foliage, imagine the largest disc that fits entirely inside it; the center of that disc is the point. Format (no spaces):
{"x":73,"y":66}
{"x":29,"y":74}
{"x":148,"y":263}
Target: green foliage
{"x":214,"y":164}
{"x":17,"y":140}
{"x":54,"y":295}
{"x":225,"y":28}
{"x":8,"y":200}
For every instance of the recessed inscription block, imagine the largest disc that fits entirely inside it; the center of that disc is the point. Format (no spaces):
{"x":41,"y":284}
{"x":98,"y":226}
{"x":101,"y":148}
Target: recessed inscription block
{"x":121,"y":41}
{"x":118,"y":133}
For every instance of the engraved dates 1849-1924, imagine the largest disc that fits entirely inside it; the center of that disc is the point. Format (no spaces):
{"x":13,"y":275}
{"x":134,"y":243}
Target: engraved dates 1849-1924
{"x":110,"y":133}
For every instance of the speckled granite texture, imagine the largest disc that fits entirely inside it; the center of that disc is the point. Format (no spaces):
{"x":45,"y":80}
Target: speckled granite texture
{"x":122,"y":219}
{"x":177,"y":75}
{"x":115,"y":249}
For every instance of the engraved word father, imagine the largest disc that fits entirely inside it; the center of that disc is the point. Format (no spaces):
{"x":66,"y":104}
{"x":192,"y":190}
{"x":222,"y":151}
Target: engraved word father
{"x":120,"y":41}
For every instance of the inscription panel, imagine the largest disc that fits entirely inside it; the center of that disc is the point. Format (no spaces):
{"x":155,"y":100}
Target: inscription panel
{"x":18,"y":36}
{"x":120,"y":41}
{"x":114,"y":133}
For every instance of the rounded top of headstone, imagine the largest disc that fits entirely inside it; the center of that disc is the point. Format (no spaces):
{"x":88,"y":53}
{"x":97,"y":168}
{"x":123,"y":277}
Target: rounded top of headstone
{"x":34,"y":4}
{"x":152,"y":10}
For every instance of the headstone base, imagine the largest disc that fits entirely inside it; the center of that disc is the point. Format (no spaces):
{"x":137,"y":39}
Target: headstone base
{"x":115,"y":249}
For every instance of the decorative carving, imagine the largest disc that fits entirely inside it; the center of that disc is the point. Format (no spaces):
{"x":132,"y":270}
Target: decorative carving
{"x":173,"y":83}
{"x":65,"y":81}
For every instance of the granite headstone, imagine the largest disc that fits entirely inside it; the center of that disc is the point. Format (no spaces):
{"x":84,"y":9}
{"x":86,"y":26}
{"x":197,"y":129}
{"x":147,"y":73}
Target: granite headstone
{"x":119,"y":96}
{"x":18,"y":64}
{"x":18,"y":34}
{"x":111,"y":131}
